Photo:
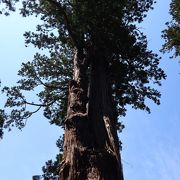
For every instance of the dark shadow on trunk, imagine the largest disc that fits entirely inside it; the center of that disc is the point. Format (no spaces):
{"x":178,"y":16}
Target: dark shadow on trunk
{"x":91,"y":149}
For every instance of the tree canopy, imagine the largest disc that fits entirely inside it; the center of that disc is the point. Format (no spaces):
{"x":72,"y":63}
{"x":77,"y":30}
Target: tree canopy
{"x":172,"y":33}
{"x":93,"y":28}
{"x":106,"y":26}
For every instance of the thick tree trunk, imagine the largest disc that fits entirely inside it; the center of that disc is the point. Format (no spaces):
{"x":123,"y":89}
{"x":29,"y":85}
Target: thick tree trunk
{"x":91,"y":149}
{"x":103,"y":121}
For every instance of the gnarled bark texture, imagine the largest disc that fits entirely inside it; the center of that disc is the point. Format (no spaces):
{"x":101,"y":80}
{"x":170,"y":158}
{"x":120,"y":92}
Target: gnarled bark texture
{"x":91,"y":148}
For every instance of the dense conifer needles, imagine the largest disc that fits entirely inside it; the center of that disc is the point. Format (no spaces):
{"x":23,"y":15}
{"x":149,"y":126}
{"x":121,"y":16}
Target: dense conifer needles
{"x":104,"y":26}
{"x":171,"y":34}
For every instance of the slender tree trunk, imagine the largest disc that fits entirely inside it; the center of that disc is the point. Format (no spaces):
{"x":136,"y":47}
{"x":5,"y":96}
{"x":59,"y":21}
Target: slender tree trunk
{"x":91,"y":149}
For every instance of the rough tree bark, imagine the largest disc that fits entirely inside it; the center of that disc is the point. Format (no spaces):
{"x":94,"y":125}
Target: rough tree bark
{"x":91,"y":148}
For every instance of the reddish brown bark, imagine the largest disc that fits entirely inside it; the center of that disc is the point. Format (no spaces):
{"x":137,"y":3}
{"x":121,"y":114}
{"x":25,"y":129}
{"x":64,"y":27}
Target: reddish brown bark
{"x":91,"y":149}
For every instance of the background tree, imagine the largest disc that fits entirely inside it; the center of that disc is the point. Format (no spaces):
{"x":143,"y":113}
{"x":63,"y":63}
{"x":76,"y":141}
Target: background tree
{"x":97,"y":54}
{"x":172,"y":33}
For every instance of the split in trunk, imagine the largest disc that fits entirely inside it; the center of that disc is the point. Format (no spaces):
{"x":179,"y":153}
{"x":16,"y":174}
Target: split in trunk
{"x":91,"y":149}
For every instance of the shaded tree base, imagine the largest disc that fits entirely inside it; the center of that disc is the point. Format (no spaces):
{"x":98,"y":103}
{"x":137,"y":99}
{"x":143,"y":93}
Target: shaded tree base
{"x":88,"y":164}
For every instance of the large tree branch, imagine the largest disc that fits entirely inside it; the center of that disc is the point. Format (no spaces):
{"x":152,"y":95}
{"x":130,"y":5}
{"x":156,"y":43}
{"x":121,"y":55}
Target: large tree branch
{"x":49,"y":85}
{"x":35,"y":104}
{"x":40,"y":105}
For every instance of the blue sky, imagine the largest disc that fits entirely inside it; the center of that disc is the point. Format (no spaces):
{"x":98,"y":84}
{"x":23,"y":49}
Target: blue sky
{"x":151,"y":146}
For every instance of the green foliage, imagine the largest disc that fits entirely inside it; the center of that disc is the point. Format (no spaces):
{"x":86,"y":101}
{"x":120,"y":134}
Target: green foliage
{"x":50,"y":169}
{"x":105,"y":26}
{"x":51,"y":75}
{"x":172,"y":33}
{"x":7,"y":5}
{"x":2,"y":118}
{"x":108,"y":27}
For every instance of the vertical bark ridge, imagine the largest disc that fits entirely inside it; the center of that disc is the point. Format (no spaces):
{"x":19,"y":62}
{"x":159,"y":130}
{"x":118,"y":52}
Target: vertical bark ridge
{"x":91,"y":146}
{"x":102,"y":116}
{"x":76,"y":124}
